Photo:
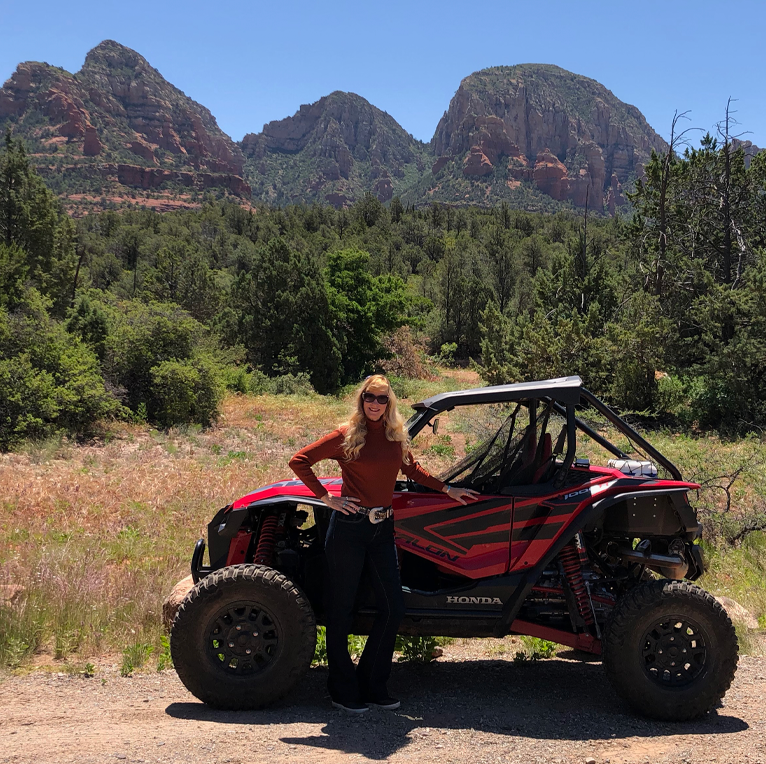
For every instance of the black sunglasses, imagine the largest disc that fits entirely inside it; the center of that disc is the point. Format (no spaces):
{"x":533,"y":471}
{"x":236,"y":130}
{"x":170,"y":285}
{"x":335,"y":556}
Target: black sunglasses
{"x":369,"y":398}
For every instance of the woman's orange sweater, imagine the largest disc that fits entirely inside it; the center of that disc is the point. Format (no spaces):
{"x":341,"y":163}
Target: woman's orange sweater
{"x":371,"y":477}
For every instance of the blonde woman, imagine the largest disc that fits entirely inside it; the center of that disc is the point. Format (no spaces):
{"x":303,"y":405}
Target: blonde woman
{"x":371,"y":448}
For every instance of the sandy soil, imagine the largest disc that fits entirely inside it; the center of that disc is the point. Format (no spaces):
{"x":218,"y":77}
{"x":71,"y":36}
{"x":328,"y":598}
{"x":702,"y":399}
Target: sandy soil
{"x":469,"y":706}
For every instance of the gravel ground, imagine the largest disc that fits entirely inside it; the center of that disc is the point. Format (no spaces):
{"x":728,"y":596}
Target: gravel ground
{"x":461,"y":708}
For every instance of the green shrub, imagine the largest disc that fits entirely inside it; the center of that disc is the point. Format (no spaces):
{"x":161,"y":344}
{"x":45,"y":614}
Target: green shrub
{"x":237,"y":379}
{"x":165,"y":659}
{"x":671,"y":395}
{"x":404,"y":388}
{"x":257,"y":383}
{"x":89,"y":321}
{"x":284,"y":384}
{"x":446,"y":354}
{"x":291,"y":384}
{"x":320,"y":649}
{"x":443,"y":448}
{"x":157,"y":354}
{"x":535,"y":649}
{"x":184,"y":391}
{"x":356,"y":645}
{"x":134,"y":657}
{"x":142,"y":337}
{"x":49,"y":380}
{"x":416,"y":649}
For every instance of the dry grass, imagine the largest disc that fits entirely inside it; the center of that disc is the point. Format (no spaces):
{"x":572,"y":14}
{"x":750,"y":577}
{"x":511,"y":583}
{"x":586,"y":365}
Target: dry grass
{"x":98,"y":533}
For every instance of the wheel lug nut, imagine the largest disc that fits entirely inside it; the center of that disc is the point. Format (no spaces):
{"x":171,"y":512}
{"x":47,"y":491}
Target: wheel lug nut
{"x":239,"y":628}
{"x":248,"y":651}
{"x":231,"y":644}
{"x":255,"y":633}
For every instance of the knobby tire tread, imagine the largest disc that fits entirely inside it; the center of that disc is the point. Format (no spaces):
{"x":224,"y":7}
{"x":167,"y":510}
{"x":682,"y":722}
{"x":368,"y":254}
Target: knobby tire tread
{"x":633,"y":613}
{"x":185,"y":641}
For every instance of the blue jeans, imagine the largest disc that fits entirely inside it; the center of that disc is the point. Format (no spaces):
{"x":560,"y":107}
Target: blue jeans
{"x":352,"y":544}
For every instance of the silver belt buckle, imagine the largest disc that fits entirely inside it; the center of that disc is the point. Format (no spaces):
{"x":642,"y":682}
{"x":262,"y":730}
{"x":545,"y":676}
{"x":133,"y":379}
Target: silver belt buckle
{"x":377,"y":515}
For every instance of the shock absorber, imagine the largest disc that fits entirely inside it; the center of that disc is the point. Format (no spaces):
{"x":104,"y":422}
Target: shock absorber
{"x":570,"y":557}
{"x":264,"y":553}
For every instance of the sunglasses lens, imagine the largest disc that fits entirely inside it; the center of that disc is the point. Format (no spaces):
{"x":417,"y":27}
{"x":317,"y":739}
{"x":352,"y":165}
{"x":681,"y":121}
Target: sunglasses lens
{"x":369,"y":398}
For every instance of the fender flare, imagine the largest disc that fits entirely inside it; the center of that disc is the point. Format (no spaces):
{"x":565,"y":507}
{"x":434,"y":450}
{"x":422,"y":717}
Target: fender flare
{"x":683,"y":509}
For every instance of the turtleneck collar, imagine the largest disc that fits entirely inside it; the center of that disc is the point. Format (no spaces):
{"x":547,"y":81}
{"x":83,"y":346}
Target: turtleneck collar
{"x":375,"y":424}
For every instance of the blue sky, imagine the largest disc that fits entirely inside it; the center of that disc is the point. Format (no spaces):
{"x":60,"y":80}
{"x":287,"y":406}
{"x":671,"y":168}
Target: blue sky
{"x":250,"y":63}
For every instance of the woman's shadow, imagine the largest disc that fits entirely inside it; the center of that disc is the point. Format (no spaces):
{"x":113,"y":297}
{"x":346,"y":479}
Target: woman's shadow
{"x":545,"y":700}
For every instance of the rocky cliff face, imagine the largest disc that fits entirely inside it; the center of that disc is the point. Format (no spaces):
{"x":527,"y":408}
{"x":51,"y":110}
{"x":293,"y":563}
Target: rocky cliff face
{"x":749,"y":148}
{"x":332,"y":150}
{"x":535,"y":135}
{"x":117,"y":110}
{"x":565,"y":134}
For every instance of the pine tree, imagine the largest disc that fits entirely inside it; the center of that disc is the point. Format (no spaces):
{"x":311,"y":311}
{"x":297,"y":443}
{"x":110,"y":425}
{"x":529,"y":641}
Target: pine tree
{"x":30,"y":220}
{"x":284,"y":315}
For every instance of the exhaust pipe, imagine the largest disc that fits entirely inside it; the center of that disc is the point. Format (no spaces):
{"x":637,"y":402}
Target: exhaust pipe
{"x":670,"y":565}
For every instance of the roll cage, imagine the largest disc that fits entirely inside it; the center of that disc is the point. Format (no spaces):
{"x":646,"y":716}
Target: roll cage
{"x":540,"y":398}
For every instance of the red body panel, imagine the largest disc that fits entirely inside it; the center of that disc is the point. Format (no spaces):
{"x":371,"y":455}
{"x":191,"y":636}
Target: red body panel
{"x":426,"y":525}
{"x":489,"y":537}
{"x":238,"y":548}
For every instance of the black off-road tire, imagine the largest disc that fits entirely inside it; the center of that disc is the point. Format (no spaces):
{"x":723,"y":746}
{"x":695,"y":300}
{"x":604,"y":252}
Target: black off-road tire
{"x":243,"y":637}
{"x":670,"y":650}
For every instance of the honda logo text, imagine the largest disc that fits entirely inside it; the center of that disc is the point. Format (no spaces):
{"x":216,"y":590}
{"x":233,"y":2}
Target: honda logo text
{"x":474,"y":601}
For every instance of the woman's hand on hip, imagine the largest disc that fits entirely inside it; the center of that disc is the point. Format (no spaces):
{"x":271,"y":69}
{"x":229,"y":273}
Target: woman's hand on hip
{"x":346,"y":505}
{"x":460,"y":494}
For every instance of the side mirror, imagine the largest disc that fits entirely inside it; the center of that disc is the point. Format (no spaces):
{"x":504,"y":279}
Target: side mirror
{"x":435,"y":425}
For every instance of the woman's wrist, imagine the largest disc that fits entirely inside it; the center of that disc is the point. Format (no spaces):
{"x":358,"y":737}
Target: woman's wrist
{"x":445,"y":488}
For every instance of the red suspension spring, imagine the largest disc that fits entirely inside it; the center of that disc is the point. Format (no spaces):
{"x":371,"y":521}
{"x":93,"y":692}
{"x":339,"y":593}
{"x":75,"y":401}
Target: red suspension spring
{"x":264,"y":553}
{"x":570,"y":561}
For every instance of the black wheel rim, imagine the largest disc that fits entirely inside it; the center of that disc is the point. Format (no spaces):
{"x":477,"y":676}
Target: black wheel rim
{"x":243,"y":639}
{"x":674,"y":651}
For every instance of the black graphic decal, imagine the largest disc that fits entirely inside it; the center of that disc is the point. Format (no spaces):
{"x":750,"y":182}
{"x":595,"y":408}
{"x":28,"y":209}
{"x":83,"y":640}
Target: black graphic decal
{"x":450,"y":528}
{"x":536,"y":532}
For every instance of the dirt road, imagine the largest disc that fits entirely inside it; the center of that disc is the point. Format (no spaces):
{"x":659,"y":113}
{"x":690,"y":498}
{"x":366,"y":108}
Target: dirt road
{"x":453,"y":710}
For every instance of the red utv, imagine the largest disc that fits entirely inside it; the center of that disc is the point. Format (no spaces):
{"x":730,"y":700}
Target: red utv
{"x":599,"y":558}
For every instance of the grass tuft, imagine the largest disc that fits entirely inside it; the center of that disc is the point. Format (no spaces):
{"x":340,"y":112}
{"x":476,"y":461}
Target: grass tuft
{"x":134,"y":657}
{"x":535,"y":649}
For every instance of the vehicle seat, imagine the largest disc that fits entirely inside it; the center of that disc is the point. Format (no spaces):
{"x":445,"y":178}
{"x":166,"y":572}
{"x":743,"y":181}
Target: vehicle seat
{"x":530,"y":447}
{"x":545,"y":458}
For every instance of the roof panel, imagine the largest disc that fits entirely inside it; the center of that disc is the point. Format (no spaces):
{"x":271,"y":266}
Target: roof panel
{"x":563,"y":389}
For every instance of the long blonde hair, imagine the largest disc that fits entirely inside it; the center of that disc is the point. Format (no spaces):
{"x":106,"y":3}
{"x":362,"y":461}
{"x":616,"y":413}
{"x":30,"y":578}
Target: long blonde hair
{"x":356,"y":426}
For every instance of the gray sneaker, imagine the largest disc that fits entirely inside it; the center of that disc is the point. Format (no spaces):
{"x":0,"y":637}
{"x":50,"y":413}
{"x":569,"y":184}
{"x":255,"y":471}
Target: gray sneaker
{"x":388,"y":703}
{"x":351,"y":707}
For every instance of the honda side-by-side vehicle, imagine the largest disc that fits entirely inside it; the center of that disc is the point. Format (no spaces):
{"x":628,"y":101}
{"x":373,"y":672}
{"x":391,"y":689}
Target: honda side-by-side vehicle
{"x":597,"y":558}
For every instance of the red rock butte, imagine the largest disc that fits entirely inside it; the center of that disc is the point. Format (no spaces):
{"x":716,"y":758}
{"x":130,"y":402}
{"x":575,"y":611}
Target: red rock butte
{"x":585,"y":142}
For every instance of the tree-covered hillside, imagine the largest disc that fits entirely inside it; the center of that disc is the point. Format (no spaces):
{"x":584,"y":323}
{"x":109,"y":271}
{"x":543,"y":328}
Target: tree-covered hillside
{"x":332,"y":151}
{"x":151,"y":316}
